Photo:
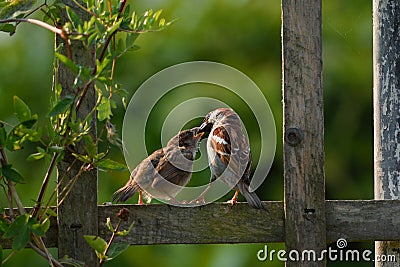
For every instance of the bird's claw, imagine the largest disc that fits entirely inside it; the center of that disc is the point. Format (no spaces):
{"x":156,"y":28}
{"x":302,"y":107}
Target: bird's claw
{"x":199,"y":200}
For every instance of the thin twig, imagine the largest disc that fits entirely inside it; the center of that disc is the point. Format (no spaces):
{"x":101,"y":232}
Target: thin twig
{"x":6,"y":123}
{"x":67,"y":189}
{"x":38,"y":23}
{"x":8,"y":257}
{"x":32,"y":11}
{"x":45,"y":183}
{"x":40,"y":244}
{"x":85,"y":90}
{"x":84,"y":9}
{"x":10,"y":205}
{"x":11,"y":187}
{"x":110,"y":241}
{"x":53,"y":194}
{"x":16,"y":197}
{"x":43,"y":254}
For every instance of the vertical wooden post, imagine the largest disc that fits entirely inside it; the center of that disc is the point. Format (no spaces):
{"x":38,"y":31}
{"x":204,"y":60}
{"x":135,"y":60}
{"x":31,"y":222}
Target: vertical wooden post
{"x":386,"y":36}
{"x":305,"y":226}
{"x":78,"y":214}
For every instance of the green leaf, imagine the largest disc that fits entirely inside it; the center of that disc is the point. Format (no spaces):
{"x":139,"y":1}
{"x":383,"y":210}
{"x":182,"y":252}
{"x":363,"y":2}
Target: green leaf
{"x":45,"y":225}
{"x":68,"y":62}
{"x":11,"y":174}
{"x":100,"y":28}
{"x":22,"y":239}
{"x":61,"y":106}
{"x":21,"y":110}
{"x":126,"y":232}
{"x":116,"y":249}
{"x":3,"y":135}
{"x":73,"y":17}
{"x":19,"y":231}
{"x":20,"y":133}
{"x":16,"y":8}
{"x":90,"y":146}
{"x":10,"y":28}
{"x":4,"y":225}
{"x":34,"y":135}
{"x":101,"y":66}
{"x":38,"y":228}
{"x":51,"y":212}
{"x":18,"y":224}
{"x":104,"y":109}
{"x":110,"y":165}
{"x":98,"y":244}
{"x":56,"y":149}
{"x":109,"y":225}
{"x":89,"y":4}
{"x":83,"y":158}
{"x":35,"y":156}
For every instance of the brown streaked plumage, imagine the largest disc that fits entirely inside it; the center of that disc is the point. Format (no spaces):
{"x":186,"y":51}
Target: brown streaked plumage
{"x":229,"y":153}
{"x":158,"y":174}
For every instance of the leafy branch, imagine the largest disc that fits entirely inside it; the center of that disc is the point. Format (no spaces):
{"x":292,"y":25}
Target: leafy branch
{"x":112,"y":29}
{"x":107,"y":251}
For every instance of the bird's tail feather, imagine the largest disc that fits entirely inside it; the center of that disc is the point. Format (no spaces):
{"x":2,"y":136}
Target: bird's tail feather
{"x":124,"y":193}
{"x":251,"y":197}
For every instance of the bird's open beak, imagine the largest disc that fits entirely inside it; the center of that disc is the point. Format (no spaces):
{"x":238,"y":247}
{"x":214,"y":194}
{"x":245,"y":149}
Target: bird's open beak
{"x":205,"y":128}
{"x":198,"y":136}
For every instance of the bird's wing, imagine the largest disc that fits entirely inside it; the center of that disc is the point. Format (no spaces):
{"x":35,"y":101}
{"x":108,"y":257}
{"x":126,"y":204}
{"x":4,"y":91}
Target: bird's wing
{"x":169,"y":171}
{"x":236,"y":157}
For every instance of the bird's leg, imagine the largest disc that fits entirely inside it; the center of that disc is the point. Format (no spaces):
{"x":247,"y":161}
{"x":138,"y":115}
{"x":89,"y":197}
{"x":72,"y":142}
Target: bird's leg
{"x":174,"y":201}
{"x":201,"y":198}
{"x":234,"y":199}
{"x":140,"y":201}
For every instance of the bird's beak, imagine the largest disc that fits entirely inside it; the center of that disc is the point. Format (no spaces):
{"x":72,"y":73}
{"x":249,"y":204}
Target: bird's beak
{"x":205,"y":127}
{"x":198,"y":136}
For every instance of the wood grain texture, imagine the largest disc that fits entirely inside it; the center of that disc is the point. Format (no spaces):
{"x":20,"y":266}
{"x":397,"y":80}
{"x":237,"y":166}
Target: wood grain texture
{"x":303,"y":127}
{"x":362,"y":220}
{"x":386,"y":57}
{"x":354,"y":220}
{"x":77,"y":215}
{"x":210,"y":224}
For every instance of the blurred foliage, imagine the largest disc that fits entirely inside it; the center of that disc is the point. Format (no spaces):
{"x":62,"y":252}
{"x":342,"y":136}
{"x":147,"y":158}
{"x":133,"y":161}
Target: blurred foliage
{"x":242,"y":34}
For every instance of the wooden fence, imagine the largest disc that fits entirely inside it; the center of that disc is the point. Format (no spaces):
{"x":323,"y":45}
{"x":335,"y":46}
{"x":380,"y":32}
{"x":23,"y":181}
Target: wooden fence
{"x":304,"y":220}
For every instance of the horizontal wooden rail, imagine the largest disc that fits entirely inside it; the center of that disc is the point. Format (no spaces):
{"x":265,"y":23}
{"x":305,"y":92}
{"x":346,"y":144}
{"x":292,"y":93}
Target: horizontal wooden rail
{"x":354,"y":220}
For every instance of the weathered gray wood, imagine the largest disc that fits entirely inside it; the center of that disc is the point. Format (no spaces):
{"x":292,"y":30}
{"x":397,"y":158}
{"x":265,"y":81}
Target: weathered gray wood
{"x":220,"y":223}
{"x":214,"y":223}
{"x":354,"y":220}
{"x":386,"y":36}
{"x":362,"y":220}
{"x":77,"y":215}
{"x":303,"y":127}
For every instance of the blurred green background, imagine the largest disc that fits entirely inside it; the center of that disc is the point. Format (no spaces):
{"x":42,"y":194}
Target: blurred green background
{"x":245,"y":35}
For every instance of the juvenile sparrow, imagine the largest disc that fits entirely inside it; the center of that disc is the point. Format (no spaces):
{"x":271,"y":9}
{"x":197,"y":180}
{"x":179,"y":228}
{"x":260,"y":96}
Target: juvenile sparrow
{"x":229,"y":154}
{"x":163,"y":174}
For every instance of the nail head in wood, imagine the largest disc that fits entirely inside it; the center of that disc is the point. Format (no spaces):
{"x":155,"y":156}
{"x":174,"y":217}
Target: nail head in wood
{"x":293,"y":136}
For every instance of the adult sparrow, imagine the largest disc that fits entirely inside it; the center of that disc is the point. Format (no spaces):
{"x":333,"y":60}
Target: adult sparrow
{"x":163,"y":174}
{"x":229,"y":154}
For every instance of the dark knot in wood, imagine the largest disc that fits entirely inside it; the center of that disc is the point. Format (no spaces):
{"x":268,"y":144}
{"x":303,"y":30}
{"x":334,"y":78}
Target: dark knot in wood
{"x":309,"y":211}
{"x":293,"y":136}
{"x":75,"y":225}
